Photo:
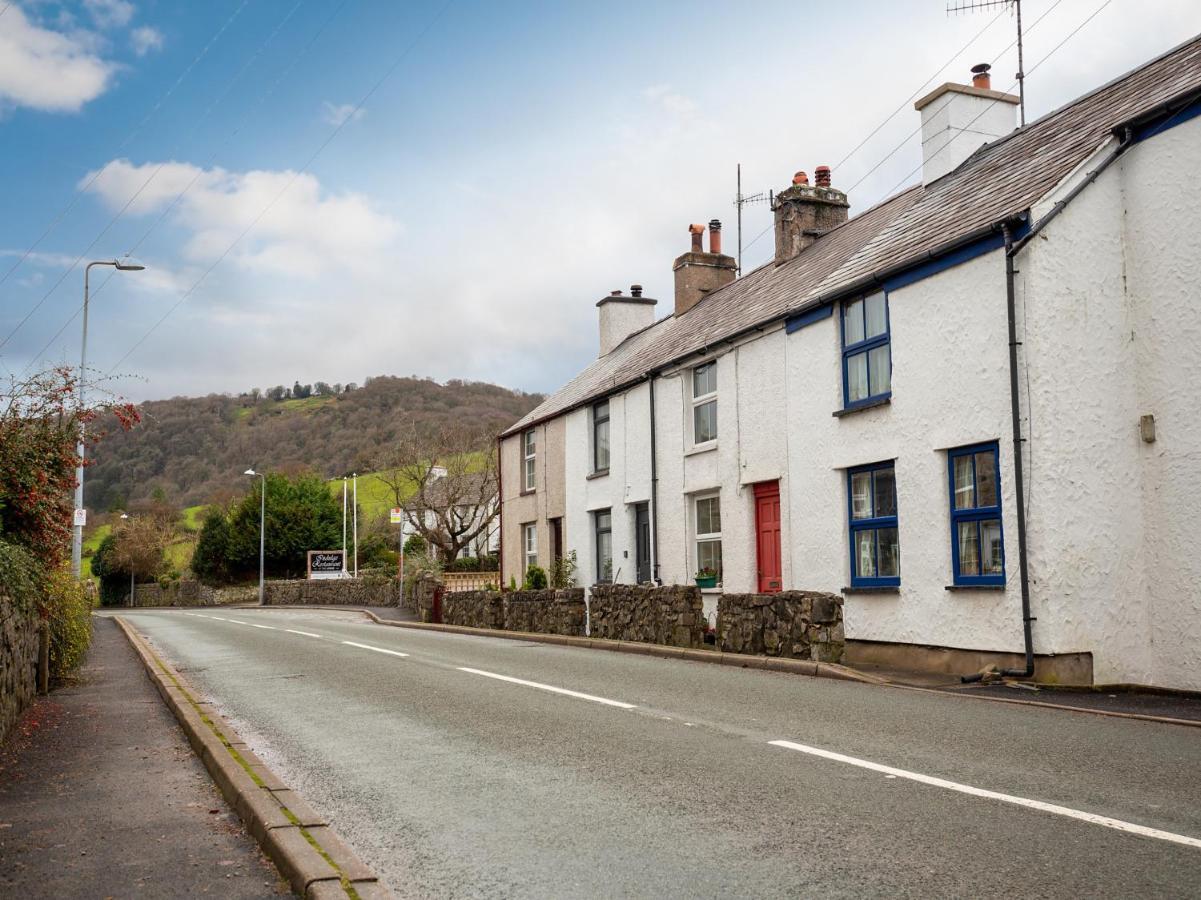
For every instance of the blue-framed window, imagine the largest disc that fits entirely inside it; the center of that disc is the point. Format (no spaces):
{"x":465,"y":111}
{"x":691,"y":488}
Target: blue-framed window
{"x":866,"y":350}
{"x":872,"y":508}
{"x":977,"y":542}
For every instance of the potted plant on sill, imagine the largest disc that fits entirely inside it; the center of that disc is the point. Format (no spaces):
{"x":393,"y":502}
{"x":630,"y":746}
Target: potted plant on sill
{"x":706,"y":578}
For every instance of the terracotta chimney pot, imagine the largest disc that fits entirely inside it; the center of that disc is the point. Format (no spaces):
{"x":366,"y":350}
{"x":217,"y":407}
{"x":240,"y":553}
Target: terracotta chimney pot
{"x":822,"y":176}
{"x":714,"y":236}
{"x":980,"y":77}
{"x":697,"y":232}
{"x":800,"y":178}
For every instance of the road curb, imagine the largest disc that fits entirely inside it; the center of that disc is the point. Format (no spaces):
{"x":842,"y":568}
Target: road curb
{"x":308,"y":853}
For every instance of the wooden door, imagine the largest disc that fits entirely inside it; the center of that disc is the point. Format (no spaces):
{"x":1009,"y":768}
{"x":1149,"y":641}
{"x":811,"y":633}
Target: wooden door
{"x":642,"y":542}
{"x":767,"y":536}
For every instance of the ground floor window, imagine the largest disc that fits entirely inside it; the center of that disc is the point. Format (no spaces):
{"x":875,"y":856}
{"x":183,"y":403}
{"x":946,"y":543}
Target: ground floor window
{"x":977,"y":544}
{"x":603,"y":522}
{"x":707,"y":520}
{"x":529,"y":544}
{"x":875,"y":545}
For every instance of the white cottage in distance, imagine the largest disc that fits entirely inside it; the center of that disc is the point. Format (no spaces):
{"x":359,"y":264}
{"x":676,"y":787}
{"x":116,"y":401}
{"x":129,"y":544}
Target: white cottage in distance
{"x":845,"y":417}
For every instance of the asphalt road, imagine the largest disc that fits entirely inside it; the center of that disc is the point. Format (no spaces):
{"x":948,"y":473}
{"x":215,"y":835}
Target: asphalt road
{"x":456,"y":770}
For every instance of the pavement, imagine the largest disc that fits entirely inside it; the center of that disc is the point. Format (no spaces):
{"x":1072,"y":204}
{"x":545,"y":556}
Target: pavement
{"x":471,"y":766}
{"x":101,"y":796}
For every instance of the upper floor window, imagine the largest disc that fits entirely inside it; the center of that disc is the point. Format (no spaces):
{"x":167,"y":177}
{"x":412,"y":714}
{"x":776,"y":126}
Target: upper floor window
{"x":977,"y":545}
{"x":704,"y":403}
{"x":528,"y":453}
{"x":529,"y":545}
{"x":603,"y":521}
{"x":875,"y":545}
{"x":708,"y":536}
{"x":600,"y":436}
{"x":866,"y":350}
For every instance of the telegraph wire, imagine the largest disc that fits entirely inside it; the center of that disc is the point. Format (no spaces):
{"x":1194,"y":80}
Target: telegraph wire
{"x":295,"y":175}
{"x":80,"y":191}
{"x":200,"y":170}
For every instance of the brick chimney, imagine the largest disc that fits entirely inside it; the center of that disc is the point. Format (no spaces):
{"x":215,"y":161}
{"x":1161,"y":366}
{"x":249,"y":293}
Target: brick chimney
{"x":958,"y":118}
{"x":621,"y":315}
{"x":805,"y":212}
{"x":697,"y":272}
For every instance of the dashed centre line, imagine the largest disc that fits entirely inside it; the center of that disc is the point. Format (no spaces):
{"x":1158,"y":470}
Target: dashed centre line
{"x":547,"y":687}
{"x":252,"y":625}
{"x":1080,"y":815}
{"x":376,"y":649}
{"x":305,"y":633}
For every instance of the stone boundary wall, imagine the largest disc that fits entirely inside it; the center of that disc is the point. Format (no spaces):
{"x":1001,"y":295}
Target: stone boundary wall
{"x":542,"y":612}
{"x":18,"y":660}
{"x":331,"y":592}
{"x":671,"y":615}
{"x":797,"y":624}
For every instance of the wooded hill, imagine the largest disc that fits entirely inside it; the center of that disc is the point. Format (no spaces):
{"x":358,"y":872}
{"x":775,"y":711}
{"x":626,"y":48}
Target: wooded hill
{"x":195,"y":449}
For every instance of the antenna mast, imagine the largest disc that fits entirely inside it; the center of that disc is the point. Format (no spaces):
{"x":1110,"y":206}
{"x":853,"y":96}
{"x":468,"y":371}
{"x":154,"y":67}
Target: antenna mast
{"x":740,"y":201}
{"x":958,"y":6}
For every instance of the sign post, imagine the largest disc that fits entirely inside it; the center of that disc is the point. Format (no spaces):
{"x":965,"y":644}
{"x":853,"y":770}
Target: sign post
{"x":396,"y":517}
{"x":326,"y":564}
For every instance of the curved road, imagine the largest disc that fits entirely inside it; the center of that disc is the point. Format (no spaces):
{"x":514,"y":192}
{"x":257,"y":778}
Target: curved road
{"x":462,"y":766}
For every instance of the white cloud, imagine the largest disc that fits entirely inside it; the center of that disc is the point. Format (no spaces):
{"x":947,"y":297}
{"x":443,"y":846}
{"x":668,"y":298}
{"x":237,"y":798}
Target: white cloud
{"x":109,"y":13}
{"x":144,"y":39}
{"x":48,"y":70}
{"x":307,"y":231}
{"x":337,"y":114}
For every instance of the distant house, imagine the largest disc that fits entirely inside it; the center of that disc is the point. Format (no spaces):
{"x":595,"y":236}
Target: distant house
{"x":453,"y":506}
{"x":845,"y":417}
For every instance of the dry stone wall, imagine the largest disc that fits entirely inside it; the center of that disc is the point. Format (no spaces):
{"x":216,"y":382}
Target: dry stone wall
{"x":18,"y":659}
{"x":331,"y":592}
{"x":670,"y":615}
{"x":545,"y":612}
{"x":797,"y":624}
{"x":475,"y":609}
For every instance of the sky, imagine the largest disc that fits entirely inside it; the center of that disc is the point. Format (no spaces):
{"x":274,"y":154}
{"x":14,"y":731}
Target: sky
{"x":332,"y":189}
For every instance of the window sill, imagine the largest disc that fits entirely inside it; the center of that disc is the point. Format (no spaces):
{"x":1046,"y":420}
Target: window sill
{"x":599,"y":473}
{"x":881,"y":589}
{"x":869,"y":404}
{"x":701,"y":448}
{"x":975,"y":587}
{"x":527,"y":492}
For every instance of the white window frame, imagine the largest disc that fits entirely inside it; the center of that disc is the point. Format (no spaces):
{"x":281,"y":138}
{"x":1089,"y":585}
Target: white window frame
{"x":529,"y":456}
{"x":529,"y":546}
{"x":698,"y":537}
{"x":701,"y":400}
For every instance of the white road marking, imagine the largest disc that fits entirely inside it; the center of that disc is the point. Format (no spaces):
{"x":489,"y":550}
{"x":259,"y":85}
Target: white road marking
{"x":218,"y":618}
{"x":376,"y":649}
{"x":305,"y":633}
{"x":252,"y":625}
{"x":236,"y":621}
{"x":1093,"y":818}
{"x":547,"y":687}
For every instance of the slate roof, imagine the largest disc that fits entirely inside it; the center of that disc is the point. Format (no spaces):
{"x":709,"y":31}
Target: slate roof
{"x":998,"y":182}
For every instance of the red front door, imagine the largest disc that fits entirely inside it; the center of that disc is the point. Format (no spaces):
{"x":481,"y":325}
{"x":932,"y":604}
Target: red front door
{"x":767,"y":536}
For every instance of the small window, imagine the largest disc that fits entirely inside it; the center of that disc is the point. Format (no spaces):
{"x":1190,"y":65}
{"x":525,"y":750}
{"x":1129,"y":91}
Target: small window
{"x":603,"y":520}
{"x":704,"y":403}
{"x":529,"y":544}
{"x":875,"y":544}
{"x":529,"y":451}
{"x":866,"y":350}
{"x":600,"y":436}
{"x":708,"y":536}
{"x":977,"y":544}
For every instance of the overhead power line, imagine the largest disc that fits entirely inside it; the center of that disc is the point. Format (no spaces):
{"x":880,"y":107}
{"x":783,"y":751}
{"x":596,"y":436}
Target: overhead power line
{"x":295,"y":175}
{"x":80,"y":191}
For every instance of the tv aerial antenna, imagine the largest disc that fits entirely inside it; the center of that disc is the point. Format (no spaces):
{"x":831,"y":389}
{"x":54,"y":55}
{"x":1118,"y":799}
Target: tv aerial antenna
{"x":741,"y":200}
{"x":970,"y":6}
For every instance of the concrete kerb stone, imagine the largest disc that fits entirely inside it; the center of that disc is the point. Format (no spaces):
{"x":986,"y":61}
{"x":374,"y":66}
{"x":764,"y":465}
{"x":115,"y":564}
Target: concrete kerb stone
{"x":308,"y":853}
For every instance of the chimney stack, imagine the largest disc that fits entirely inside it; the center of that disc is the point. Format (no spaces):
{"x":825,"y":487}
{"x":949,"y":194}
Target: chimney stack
{"x":697,"y":273}
{"x":804,"y":213}
{"x":620,"y":316}
{"x":958,"y":118}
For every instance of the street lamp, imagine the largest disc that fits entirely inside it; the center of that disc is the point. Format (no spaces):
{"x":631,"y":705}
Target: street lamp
{"x":262,"y":525}
{"x":126,"y":516}
{"x":77,"y":542}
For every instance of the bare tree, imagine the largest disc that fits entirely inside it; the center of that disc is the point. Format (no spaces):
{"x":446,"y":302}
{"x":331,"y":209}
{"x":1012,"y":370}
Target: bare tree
{"x":445,"y":481}
{"x":140,"y":543}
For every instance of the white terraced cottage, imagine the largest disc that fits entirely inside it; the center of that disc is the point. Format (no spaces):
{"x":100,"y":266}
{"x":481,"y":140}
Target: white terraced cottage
{"x":845,"y":417}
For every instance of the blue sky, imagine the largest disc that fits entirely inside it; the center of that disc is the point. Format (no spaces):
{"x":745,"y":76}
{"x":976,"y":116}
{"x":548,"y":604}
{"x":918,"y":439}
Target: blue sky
{"x":515,"y":163}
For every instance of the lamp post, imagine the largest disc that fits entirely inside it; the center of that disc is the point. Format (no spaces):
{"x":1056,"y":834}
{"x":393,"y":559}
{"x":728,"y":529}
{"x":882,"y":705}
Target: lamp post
{"x":77,"y":540}
{"x":125,"y":516}
{"x":262,"y":525}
